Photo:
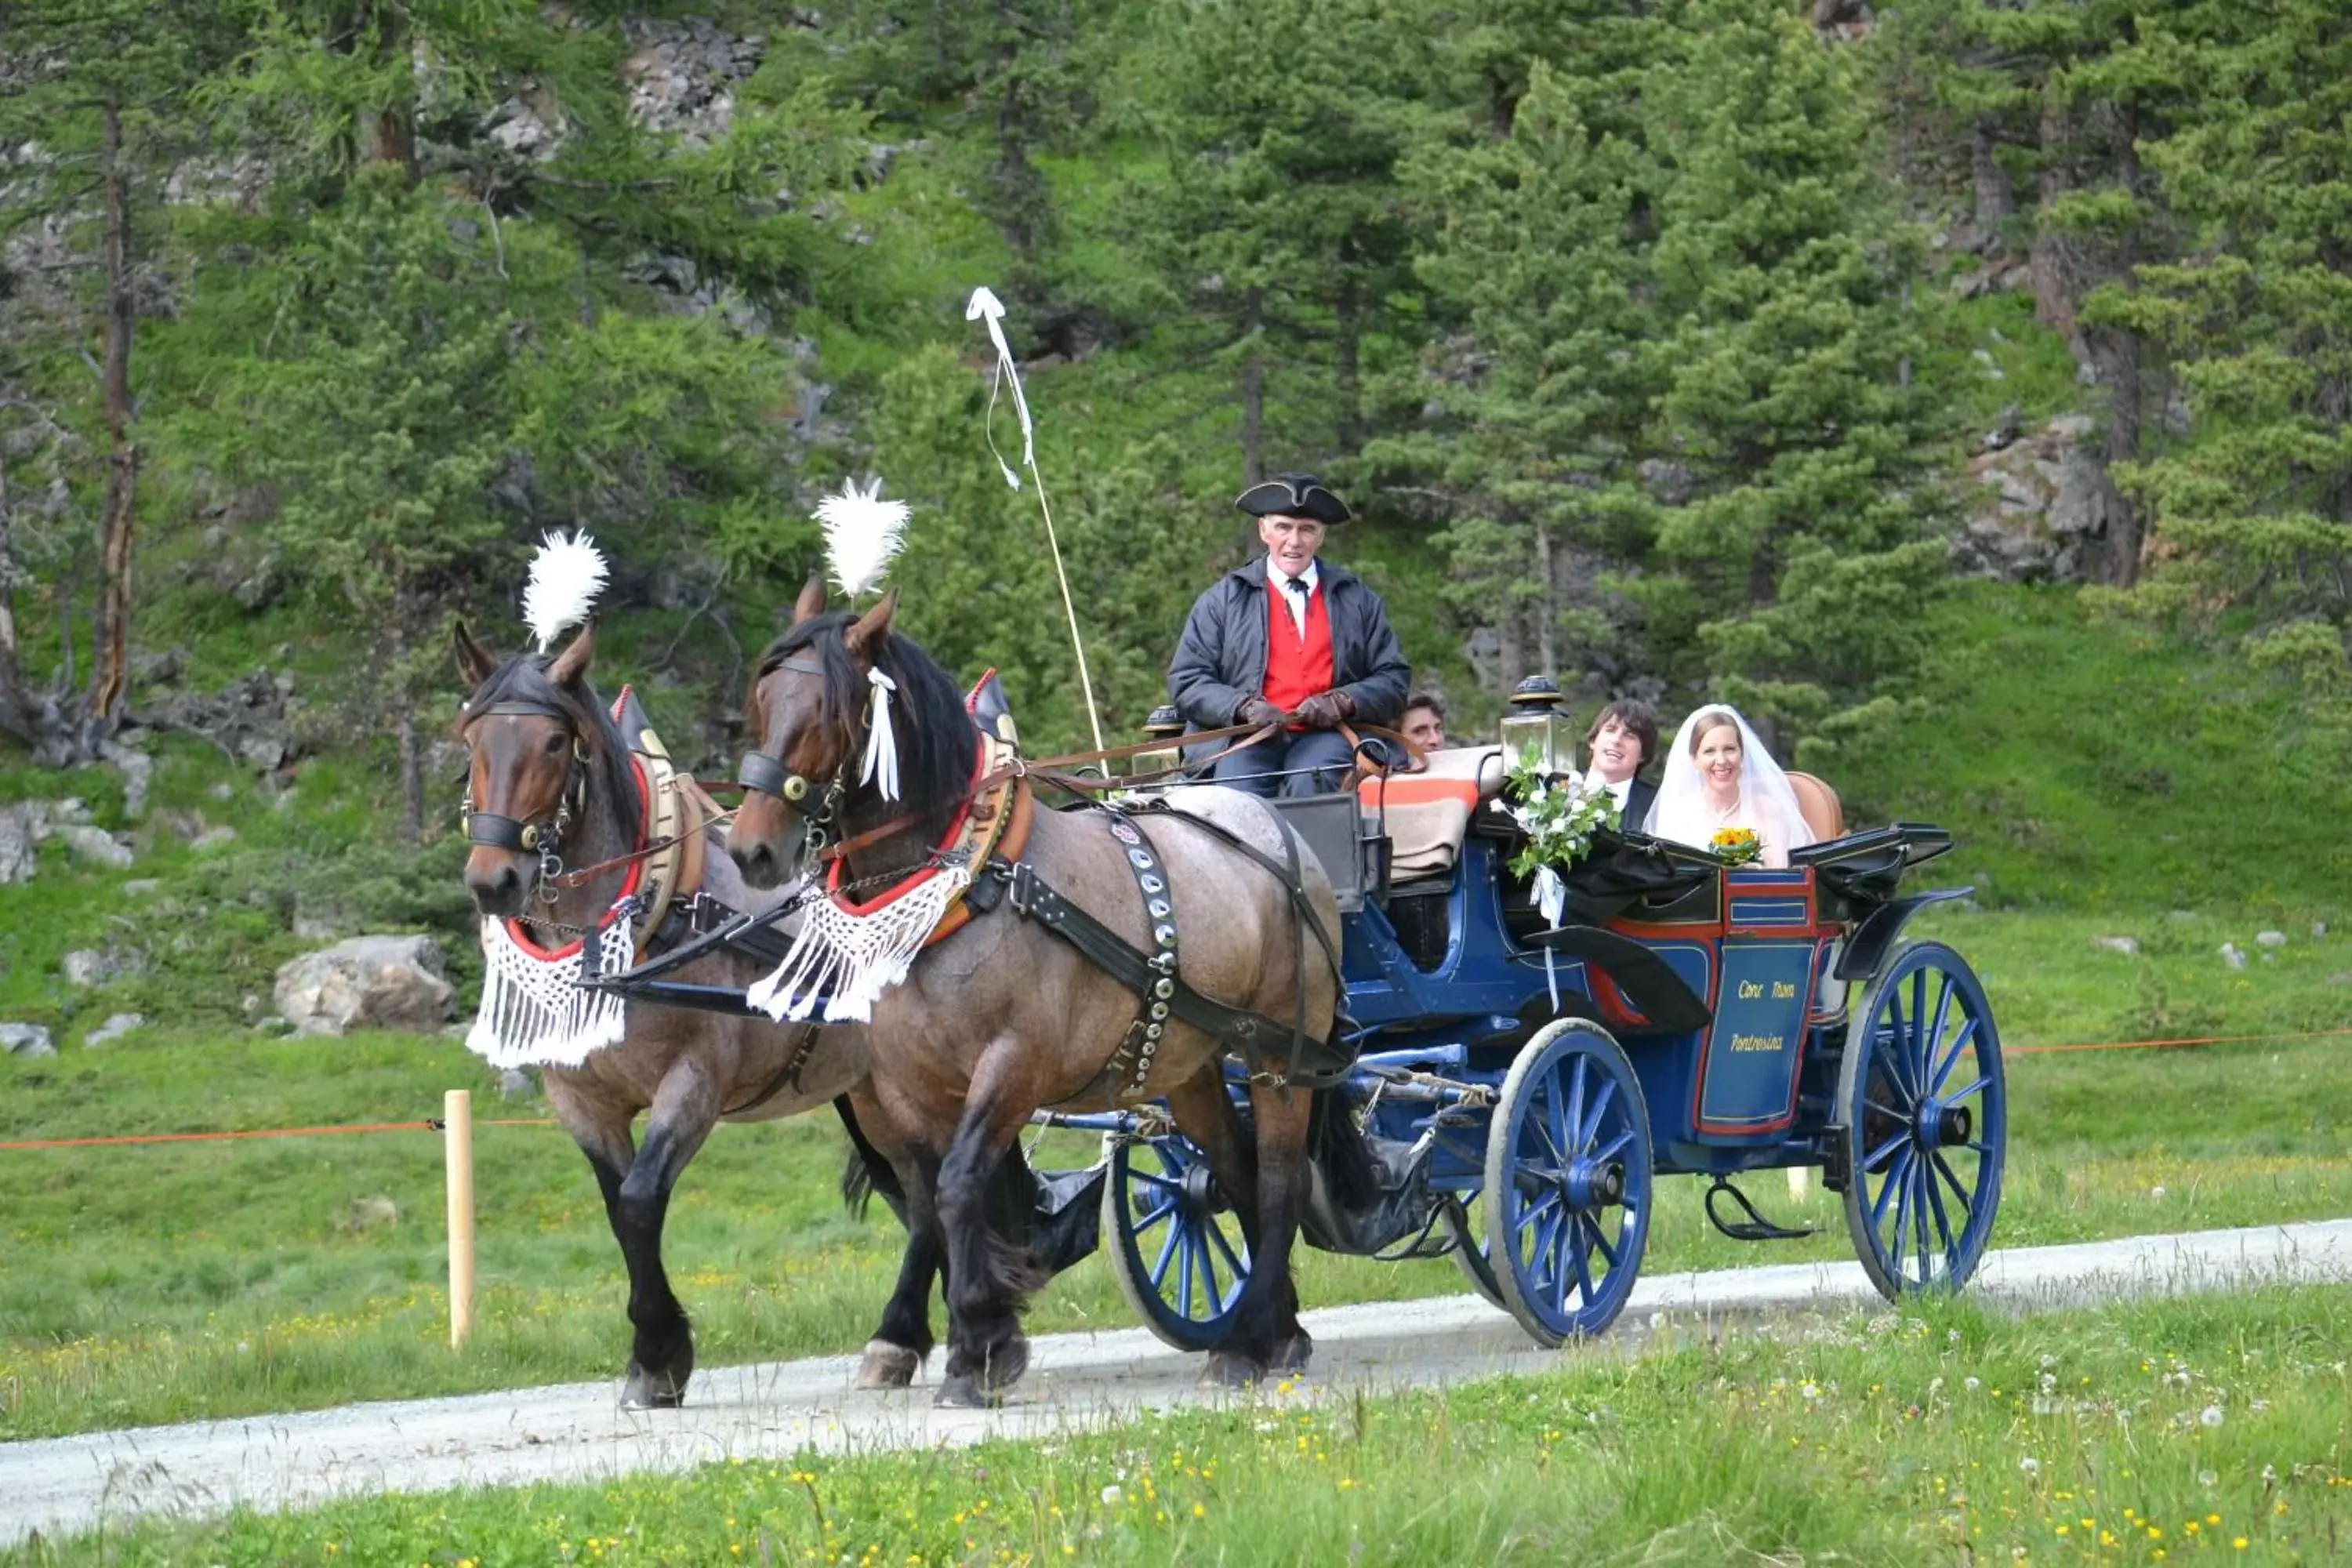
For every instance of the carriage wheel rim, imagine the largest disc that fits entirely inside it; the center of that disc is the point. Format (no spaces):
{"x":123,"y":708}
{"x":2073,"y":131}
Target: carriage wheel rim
{"x":1929,"y":1111}
{"x":1570,"y":1144}
{"x":1170,"y":1257}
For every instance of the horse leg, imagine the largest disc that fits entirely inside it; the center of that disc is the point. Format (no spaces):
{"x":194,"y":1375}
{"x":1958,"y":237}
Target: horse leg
{"x":903,"y":1341}
{"x":1206,"y":1113}
{"x":661,"y":1359}
{"x":988,"y":1279}
{"x":1266,"y":1332}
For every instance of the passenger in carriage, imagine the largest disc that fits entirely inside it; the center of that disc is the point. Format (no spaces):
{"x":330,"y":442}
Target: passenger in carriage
{"x":1719,"y":775}
{"x":1289,"y":640}
{"x":1423,"y":724}
{"x":1623,"y":738}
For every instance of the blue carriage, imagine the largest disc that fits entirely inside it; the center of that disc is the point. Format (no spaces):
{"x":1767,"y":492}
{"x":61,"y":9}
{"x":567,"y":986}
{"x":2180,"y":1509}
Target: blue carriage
{"x":1527,"y":1083}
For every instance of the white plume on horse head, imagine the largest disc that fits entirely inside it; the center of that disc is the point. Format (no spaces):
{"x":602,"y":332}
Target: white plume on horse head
{"x":566,"y":575}
{"x":862,"y":534}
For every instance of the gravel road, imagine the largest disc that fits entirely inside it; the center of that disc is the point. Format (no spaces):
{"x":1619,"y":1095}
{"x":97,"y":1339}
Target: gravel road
{"x":67,"y":1485}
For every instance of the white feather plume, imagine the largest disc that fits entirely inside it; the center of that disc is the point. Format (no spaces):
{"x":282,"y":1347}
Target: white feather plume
{"x":862,"y":533}
{"x":566,"y":575}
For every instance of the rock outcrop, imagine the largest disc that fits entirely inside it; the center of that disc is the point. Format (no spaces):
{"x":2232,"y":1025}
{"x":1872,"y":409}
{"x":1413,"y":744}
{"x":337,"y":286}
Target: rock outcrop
{"x":367,"y":983}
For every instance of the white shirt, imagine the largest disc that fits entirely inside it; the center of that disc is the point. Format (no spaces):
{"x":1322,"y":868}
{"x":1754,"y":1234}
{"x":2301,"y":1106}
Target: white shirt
{"x":1279,"y":582}
{"x":1616,"y":791}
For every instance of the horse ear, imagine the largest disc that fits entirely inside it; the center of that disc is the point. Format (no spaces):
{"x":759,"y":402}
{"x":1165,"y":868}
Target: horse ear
{"x":872,"y":627}
{"x":812,"y":599}
{"x":475,"y":662}
{"x":573,"y":662}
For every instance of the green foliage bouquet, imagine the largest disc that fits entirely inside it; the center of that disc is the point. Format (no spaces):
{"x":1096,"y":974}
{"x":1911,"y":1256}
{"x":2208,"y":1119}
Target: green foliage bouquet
{"x":1558,"y":814}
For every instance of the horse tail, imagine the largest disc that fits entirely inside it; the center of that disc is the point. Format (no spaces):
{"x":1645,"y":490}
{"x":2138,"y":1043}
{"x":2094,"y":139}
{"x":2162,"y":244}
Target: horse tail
{"x":866,"y":1173}
{"x":1336,"y":1146}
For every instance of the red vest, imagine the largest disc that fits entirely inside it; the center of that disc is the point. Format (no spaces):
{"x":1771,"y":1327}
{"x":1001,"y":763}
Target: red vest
{"x":1296,"y":669}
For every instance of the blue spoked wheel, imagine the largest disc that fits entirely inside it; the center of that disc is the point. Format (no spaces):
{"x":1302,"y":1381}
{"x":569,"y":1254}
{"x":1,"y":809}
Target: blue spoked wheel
{"x":1926,"y":1122}
{"x":1567,"y":1183}
{"x":1175,"y":1244}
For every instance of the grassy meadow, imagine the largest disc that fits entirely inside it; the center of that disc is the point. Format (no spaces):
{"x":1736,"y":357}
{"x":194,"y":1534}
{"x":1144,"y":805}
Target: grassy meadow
{"x":160,"y":1282}
{"x":2195,"y":1429}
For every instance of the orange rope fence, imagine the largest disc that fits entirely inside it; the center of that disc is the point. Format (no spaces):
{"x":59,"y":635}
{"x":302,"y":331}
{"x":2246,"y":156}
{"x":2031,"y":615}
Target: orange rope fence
{"x":262,"y":1132}
{"x":549,"y":1122}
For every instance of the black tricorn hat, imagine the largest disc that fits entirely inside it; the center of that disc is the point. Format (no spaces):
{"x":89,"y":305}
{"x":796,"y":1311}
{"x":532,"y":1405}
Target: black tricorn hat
{"x":1295,"y":495}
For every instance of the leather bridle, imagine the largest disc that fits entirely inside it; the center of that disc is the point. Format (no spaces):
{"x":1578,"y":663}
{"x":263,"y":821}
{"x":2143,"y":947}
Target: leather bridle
{"x":763,"y":772}
{"x":539,"y":835}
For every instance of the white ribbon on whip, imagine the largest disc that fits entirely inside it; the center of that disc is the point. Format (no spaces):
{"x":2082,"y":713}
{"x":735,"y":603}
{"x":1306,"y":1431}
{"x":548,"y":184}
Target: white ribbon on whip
{"x":881,"y":745}
{"x":984,"y":306}
{"x":1552,"y":898}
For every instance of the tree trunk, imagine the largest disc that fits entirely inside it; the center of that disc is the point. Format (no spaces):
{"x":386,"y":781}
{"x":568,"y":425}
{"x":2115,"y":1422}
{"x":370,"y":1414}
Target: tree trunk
{"x":1347,"y":308}
{"x":1995,"y":206}
{"x":2054,"y":304}
{"x":1253,"y":389}
{"x":1547,"y":610}
{"x":387,"y":133}
{"x":16,"y":703}
{"x":2117,"y":357}
{"x":110,"y":657}
{"x":404,"y":725}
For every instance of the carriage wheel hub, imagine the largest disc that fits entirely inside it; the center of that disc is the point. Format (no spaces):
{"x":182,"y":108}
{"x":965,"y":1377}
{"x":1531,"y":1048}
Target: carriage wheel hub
{"x":1201,"y":1195}
{"x":1942,"y":1126}
{"x":1593,"y":1184}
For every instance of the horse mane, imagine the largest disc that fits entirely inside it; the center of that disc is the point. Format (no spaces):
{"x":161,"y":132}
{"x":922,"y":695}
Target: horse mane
{"x":522,"y":678}
{"x":937,"y":744}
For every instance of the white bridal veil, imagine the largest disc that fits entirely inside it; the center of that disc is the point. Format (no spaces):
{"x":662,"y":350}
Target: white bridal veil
{"x":1768,"y":803}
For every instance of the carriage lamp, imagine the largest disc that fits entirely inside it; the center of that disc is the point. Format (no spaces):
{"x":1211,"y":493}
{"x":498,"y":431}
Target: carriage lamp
{"x":1165,"y":724}
{"x":1535,"y":720}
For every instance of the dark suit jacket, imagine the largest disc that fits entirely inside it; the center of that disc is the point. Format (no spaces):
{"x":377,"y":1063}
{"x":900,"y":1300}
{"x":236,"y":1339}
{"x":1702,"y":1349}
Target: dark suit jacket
{"x":1637,"y":804}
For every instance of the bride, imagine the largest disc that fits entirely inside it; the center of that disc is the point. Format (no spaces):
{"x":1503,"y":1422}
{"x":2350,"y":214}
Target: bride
{"x":1718,"y":775}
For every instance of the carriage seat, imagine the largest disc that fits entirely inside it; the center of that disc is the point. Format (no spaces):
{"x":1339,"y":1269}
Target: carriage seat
{"x":1429,"y":812}
{"x":1822,"y":811}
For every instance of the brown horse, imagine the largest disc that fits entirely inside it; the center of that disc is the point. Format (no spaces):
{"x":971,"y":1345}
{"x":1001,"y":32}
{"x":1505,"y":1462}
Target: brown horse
{"x":550,"y":781}
{"x":1001,"y":1017}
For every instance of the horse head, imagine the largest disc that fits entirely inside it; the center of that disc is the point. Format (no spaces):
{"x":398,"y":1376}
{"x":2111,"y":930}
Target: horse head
{"x":535,"y":739}
{"x":811,"y":710}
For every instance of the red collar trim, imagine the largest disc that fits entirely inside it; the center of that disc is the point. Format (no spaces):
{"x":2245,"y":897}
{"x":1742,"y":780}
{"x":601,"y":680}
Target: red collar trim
{"x":636,"y":875}
{"x":889,"y":896}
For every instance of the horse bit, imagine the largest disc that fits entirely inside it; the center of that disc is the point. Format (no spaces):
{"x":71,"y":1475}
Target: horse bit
{"x":542,"y":838}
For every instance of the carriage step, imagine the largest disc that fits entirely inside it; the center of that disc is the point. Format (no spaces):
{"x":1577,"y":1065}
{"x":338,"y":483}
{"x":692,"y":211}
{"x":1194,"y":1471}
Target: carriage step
{"x":1755,"y":1227}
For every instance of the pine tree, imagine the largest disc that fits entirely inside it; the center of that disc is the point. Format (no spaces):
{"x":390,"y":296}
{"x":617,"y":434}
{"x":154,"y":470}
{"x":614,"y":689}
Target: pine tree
{"x":1534,"y":434}
{"x":1272,"y":225}
{"x":95,"y":111}
{"x":2255,"y":513}
{"x":1794,"y":577}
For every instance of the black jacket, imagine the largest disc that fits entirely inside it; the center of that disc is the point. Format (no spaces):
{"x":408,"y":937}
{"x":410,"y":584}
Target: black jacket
{"x":1221,"y":662}
{"x":1638,"y":800}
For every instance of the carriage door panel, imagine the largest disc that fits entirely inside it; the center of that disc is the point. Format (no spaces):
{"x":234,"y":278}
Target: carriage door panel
{"x":1747,"y":1080}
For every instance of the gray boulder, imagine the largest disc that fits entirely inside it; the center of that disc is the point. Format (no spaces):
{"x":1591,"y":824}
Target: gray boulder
{"x":93,"y":842}
{"x":367,"y":983}
{"x":116,"y":1025}
{"x":2271,"y":938}
{"x":21,"y":826}
{"x":89,"y":966}
{"x":26,"y":1040}
{"x":2127,"y":946}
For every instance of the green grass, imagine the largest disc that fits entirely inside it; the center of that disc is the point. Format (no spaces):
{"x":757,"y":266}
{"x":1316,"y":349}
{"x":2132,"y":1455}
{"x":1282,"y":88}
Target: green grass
{"x":160,"y":1282}
{"x":2202,"y":1428}
{"x":2090,"y":764}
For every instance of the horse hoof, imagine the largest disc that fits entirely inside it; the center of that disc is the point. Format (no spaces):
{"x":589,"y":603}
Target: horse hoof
{"x":1006,"y":1363}
{"x":1227,"y":1369}
{"x":886,"y":1365}
{"x":963,"y":1391}
{"x":646,"y":1391}
{"x":1293,"y":1353}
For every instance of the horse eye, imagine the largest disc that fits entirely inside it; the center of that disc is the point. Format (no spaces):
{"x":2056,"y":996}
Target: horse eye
{"x":554,"y":745}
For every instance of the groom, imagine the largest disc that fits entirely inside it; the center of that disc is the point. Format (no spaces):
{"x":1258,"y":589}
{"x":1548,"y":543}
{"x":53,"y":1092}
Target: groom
{"x":1623,"y":738}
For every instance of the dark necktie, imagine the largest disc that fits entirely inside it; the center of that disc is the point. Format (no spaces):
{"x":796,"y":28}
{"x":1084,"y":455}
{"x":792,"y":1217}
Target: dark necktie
{"x":1297,"y":585}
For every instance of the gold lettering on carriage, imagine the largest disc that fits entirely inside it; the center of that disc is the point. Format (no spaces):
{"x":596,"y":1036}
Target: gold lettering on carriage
{"x":1758,"y":1042}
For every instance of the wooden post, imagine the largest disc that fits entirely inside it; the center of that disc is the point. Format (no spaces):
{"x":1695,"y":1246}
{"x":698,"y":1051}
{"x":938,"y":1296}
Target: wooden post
{"x":457,"y":1142}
